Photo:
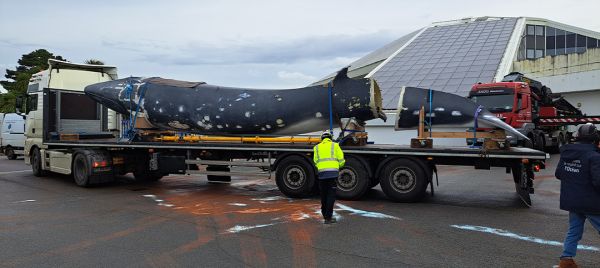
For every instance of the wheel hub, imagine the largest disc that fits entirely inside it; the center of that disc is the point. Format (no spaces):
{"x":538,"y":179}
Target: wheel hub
{"x":403,"y":180}
{"x":347,"y":179}
{"x":295,"y":177}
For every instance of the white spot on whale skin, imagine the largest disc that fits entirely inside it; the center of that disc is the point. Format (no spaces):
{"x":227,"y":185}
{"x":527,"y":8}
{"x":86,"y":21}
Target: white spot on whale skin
{"x":219,"y":126}
{"x":221,"y":109}
{"x":318,"y":115}
{"x":253,"y":104}
{"x":506,"y":233}
{"x":157,"y":102}
{"x":364,"y":213}
{"x":247,"y":114}
{"x":177,"y":124}
{"x":279,"y":121}
{"x":218,"y":116}
{"x":238,"y":126}
{"x":181,"y":108}
{"x":456,"y":113}
{"x":268,"y":126}
{"x":207,"y":118}
{"x":439,"y":109}
{"x":160,"y":110}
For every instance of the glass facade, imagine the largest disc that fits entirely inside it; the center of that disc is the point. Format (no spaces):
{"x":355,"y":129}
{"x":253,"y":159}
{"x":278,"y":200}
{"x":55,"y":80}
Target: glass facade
{"x":447,"y":58}
{"x":539,"y":41}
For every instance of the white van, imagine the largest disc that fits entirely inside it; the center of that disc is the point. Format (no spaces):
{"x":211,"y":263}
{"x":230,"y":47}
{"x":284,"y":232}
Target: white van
{"x":12,"y":137}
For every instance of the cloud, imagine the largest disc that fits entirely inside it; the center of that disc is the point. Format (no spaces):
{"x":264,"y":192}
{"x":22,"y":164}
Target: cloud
{"x":329,"y":47}
{"x":295,"y":76}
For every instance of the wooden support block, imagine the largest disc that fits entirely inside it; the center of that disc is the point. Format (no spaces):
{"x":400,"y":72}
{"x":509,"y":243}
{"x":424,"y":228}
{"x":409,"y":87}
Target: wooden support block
{"x":69,"y":137}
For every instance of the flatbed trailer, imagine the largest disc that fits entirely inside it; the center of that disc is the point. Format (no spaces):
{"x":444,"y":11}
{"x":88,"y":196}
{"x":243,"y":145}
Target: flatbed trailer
{"x":69,"y":133}
{"x":404,"y":173}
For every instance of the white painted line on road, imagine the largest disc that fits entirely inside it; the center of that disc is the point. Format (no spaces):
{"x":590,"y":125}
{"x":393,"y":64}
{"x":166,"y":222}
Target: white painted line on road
{"x":25,"y":201}
{"x":364,"y":213}
{"x":11,"y":172}
{"x":264,"y":200}
{"x":505,"y":233}
{"x":159,"y":202}
{"x":239,"y":228}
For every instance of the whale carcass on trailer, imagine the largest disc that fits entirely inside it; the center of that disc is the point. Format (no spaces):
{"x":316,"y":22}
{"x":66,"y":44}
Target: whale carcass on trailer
{"x":197,"y":107}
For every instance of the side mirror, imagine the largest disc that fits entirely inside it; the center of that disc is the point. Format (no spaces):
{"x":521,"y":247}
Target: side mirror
{"x":18,"y":104}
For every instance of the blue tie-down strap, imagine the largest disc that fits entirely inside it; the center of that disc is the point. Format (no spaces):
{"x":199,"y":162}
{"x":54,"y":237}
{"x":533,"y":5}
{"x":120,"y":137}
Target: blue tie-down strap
{"x":475,"y":126}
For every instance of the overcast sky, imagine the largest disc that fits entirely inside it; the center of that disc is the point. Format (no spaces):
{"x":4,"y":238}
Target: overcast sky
{"x":271,"y":44}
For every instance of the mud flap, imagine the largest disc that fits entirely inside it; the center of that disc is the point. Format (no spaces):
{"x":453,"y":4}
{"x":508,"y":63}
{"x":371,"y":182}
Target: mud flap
{"x":523,"y":177}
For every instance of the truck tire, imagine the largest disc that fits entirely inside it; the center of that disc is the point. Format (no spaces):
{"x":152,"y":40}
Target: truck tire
{"x":539,"y":143}
{"x":295,"y":176}
{"x":403,"y":180}
{"x":81,"y":170}
{"x":10,"y":153}
{"x":353,"y":181}
{"x":218,"y":178}
{"x":36,"y":163}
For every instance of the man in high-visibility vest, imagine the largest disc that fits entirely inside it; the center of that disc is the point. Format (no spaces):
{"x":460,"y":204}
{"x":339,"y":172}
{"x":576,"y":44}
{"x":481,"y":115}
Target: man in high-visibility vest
{"x":328,"y":158}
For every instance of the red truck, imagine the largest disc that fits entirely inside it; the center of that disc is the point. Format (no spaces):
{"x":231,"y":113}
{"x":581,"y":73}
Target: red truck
{"x":532,"y":108}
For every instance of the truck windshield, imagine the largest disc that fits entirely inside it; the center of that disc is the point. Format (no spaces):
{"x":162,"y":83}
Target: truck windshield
{"x":495,"y":103}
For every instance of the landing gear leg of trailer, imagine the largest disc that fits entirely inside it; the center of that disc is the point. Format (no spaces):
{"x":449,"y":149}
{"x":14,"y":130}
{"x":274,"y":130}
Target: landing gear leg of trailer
{"x":523,"y":176}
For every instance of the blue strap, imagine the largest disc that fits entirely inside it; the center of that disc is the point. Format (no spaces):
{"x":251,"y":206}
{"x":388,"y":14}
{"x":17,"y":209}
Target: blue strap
{"x":475,"y":125}
{"x":430,"y":111}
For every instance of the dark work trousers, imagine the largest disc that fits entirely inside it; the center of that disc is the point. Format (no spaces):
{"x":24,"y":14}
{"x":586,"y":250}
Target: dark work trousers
{"x":328,"y":187}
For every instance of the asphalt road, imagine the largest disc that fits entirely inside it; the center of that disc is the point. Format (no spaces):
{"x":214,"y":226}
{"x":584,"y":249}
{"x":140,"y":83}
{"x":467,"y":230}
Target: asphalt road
{"x":474,"y":220}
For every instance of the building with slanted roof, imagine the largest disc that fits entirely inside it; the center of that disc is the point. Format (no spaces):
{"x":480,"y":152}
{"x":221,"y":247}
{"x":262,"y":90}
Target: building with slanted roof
{"x":451,"y":56}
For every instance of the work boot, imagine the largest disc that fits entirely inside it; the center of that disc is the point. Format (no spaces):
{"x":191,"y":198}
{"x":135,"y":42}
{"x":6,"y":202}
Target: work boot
{"x":567,"y":263}
{"x":329,"y":221}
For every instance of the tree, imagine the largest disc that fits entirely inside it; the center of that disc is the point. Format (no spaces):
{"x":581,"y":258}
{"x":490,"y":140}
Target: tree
{"x":17,"y":80}
{"x":94,"y":62}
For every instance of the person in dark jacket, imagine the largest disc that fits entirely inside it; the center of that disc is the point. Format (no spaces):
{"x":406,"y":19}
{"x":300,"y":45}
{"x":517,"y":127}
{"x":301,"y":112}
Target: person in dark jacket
{"x":579,"y":173}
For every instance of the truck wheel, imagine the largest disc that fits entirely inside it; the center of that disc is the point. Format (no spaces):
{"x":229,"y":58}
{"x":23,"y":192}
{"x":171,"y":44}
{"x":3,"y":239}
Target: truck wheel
{"x":403,"y":180}
{"x":539,"y":143}
{"x":353,"y":180}
{"x":295,"y":176}
{"x":36,"y":163}
{"x":10,"y":153}
{"x":218,"y":178}
{"x":81,"y":170}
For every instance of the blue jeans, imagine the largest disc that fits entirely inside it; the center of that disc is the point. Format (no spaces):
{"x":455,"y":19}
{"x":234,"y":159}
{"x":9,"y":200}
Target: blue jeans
{"x":576,"y":221}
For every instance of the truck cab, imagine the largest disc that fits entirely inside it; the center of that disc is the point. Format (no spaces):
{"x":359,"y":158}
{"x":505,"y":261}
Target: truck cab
{"x":78,"y":113}
{"x":524,"y":103}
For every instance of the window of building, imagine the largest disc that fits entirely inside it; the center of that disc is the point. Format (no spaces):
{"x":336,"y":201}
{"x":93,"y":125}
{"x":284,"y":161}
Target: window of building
{"x":592,"y":42}
{"x":571,"y":41}
{"x":581,"y":44}
{"x":550,"y":41}
{"x":560,"y":42}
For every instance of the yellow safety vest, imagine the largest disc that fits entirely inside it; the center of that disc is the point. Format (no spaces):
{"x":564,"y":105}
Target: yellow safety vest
{"x":328,"y":156}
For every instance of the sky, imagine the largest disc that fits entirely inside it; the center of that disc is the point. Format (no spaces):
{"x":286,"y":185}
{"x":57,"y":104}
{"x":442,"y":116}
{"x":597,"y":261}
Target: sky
{"x":256,"y":44}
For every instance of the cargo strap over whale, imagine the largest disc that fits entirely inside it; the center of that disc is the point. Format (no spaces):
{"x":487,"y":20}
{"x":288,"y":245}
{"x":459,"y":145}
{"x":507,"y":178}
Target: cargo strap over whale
{"x":197,"y":107}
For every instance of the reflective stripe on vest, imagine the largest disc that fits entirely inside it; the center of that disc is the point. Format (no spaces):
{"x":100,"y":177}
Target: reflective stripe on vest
{"x":324,"y":164}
